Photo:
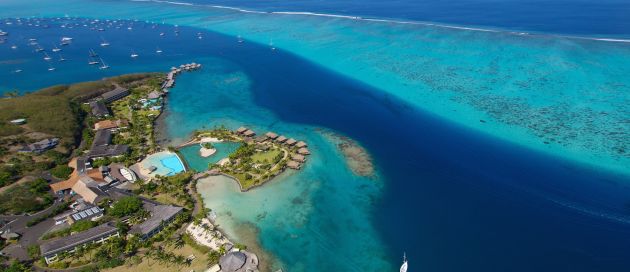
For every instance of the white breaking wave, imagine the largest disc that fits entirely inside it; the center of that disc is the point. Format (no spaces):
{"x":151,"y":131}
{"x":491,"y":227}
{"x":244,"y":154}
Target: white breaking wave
{"x":393,"y":21}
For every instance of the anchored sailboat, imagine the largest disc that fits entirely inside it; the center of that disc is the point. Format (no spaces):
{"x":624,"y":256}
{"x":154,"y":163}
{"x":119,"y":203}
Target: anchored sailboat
{"x":103,"y":66}
{"x":47,"y":57}
{"x":104,"y":43}
{"x":158,"y":50}
{"x":271,"y":45}
{"x":93,"y":53}
{"x":133,"y":55}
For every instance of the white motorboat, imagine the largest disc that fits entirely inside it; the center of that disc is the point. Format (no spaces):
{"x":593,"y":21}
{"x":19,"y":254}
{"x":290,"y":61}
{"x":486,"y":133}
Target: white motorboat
{"x":405,"y":264}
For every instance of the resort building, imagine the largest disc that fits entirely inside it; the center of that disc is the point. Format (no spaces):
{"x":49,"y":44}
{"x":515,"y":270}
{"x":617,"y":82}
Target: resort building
{"x":161,"y":214}
{"x":99,"y":109}
{"x":293,"y":165}
{"x":110,"y":124}
{"x":41,"y":146}
{"x":271,"y":135}
{"x":281,"y":139}
{"x":102,"y":137}
{"x":101,"y":147}
{"x":114,"y":95}
{"x":106,"y":151}
{"x":238,"y":261}
{"x":155,"y":95}
{"x":290,"y":142}
{"x":70,"y":217}
{"x":298,"y":158}
{"x":241,"y":130}
{"x":300,"y":144}
{"x":303,"y":151}
{"x":50,"y":250}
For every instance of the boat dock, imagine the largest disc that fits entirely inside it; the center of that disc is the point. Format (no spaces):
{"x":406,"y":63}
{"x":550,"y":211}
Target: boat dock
{"x":170,"y":77}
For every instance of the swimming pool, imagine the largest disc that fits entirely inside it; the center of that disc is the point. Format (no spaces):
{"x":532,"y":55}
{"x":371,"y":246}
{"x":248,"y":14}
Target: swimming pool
{"x":167,"y":163}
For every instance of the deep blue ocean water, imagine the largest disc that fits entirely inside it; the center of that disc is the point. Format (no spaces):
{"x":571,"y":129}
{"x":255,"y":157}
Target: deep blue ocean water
{"x":582,"y":17}
{"x":453,"y":199}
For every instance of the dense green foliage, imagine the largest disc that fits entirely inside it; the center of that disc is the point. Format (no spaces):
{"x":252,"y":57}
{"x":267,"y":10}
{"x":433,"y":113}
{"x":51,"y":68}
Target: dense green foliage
{"x":26,"y":197}
{"x":126,"y":206}
{"x":61,"y":171}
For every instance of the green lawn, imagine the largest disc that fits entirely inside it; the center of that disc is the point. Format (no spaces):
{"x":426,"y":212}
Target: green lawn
{"x":260,"y":157}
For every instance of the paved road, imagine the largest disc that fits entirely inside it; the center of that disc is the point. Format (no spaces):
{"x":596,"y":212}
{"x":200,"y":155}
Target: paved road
{"x":29,"y":235}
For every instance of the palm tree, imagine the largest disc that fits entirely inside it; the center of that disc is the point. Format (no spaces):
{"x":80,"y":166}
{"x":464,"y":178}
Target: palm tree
{"x":178,"y":242}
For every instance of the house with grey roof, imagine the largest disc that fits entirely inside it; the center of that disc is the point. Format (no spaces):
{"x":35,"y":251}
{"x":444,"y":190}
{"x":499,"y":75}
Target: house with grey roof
{"x":99,"y":109}
{"x":161,"y":216}
{"x":40,"y":146}
{"x":50,"y":250}
{"x":114,"y":95}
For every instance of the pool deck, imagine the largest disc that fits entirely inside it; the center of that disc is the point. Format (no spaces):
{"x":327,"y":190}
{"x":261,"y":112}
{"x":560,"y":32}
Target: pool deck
{"x":142,"y":167}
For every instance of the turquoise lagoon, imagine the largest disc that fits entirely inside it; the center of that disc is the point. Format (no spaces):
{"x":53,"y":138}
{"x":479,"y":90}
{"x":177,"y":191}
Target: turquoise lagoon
{"x":199,"y":163}
{"x":453,"y":198}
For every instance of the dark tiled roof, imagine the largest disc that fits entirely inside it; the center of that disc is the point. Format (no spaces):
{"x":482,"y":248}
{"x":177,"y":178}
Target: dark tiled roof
{"x":159,"y":214}
{"x":102,"y":137}
{"x":108,"y":151}
{"x":72,"y":241}
{"x":98,"y":108}
{"x":115,"y":94}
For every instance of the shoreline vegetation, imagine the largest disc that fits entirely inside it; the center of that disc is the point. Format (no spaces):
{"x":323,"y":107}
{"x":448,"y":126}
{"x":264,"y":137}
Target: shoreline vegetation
{"x":258,"y":160}
{"x":126,"y":206}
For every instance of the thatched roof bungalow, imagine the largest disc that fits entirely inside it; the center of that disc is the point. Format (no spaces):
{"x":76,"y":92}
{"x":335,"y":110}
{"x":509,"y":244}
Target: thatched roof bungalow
{"x":303,"y":151}
{"x":301,"y":144}
{"x":271,"y":135}
{"x":293,"y":165}
{"x":291,"y":141}
{"x":298,"y":158}
{"x":241,"y":130}
{"x":249,"y":133}
{"x":281,"y":139}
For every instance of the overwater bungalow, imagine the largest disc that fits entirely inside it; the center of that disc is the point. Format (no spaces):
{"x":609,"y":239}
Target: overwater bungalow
{"x":271,"y":135}
{"x":303,"y":151}
{"x":298,"y":158}
{"x":293,"y":165}
{"x":241,"y":130}
{"x":290,"y":142}
{"x":249,"y":133}
{"x":300,"y":144}
{"x":281,"y":139}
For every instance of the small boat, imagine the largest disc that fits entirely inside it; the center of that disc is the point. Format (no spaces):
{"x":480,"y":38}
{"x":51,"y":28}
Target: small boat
{"x":51,"y":68}
{"x":240,"y":39}
{"x":66,"y":39}
{"x":14,"y":47}
{"x":56,"y":49}
{"x":18,"y":71}
{"x":92,"y":61}
{"x":103,"y":65}
{"x":158,"y":50}
{"x":405,"y":265}
{"x":32,"y":40}
{"x":47,"y":57}
{"x":104,"y":43}
{"x":134,"y":55}
{"x":61,"y":58}
{"x":271,"y":45}
{"x":93,"y":53}
{"x":4,"y":33}
{"x":162,"y":34}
